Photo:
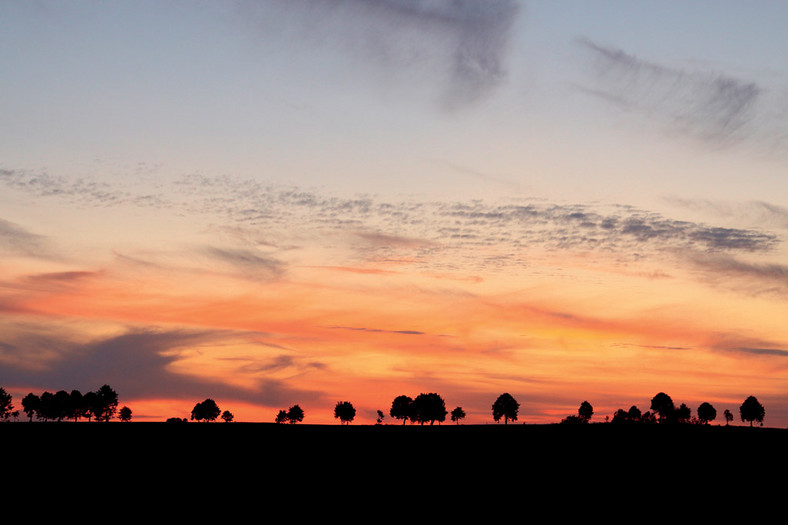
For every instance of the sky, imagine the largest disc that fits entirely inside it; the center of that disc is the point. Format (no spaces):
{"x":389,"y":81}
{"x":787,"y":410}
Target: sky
{"x":282,"y":202}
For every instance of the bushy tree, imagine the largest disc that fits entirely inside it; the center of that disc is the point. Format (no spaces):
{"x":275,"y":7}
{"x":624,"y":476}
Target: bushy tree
{"x":585,"y":411}
{"x":227,"y":416}
{"x":706,"y":413}
{"x":281,"y":416}
{"x":295,"y":414}
{"x":505,"y":407}
{"x":345,"y":412}
{"x":663,"y":405}
{"x":751,"y":410}
{"x":457,"y":414}
{"x":124,"y":414}
{"x":106,"y":403}
{"x":428,"y":407}
{"x":206,"y":410}
{"x":401,"y":408}
{"x":683,"y":413}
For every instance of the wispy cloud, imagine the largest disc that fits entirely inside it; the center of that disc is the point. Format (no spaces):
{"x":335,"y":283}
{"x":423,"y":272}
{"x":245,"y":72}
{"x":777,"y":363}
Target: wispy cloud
{"x":461,"y":44}
{"x":713,"y":107}
{"x":16,"y":240}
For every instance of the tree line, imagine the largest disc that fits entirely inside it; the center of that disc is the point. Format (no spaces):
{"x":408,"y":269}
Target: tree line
{"x":102,"y":405}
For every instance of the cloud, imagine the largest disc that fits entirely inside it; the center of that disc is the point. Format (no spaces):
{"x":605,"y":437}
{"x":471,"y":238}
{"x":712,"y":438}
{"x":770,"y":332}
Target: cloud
{"x":16,"y":240}
{"x":460,"y":43}
{"x":248,"y":263}
{"x":137,"y":364}
{"x":378,"y":330}
{"x":715,"y":108}
{"x":754,"y":213}
{"x":754,"y":278}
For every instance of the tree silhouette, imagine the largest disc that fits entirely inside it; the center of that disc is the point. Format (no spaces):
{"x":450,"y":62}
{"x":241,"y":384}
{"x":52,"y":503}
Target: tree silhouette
{"x":206,"y":410}
{"x":295,"y":414}
{"x":728,"y":416}
{"x":505,"y":407}
{"x":585,"y":411}
{"x":281,"y":416}
{"x":5,"y":404}
{"x":663,"y":405}
{"x":401,"y":408}
{"x":345,"y":412}
{"x":106,"y":403}
{"x":457,"y":414}
{"x":62,"y":408}
{"x":227,"y":416}
{"x":46,"y":406}
{"x":428,"y":407}
{"x":379,"y":420}
{"x":751,"y":410}
{"x":706,"y":413}
{"x":125,"y":414}
{"x":76,"y":405}
{"x":30,"y":404}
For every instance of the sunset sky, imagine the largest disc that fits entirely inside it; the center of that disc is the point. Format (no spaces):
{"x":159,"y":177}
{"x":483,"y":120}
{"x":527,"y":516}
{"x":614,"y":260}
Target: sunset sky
{"x":281,"y":202}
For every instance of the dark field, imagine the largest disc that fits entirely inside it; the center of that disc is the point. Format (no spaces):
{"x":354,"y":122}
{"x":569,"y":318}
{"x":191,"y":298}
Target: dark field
{"x":378,"y":469}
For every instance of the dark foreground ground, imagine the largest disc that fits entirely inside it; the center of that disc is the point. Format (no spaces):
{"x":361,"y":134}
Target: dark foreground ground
{"x":384,"y":468}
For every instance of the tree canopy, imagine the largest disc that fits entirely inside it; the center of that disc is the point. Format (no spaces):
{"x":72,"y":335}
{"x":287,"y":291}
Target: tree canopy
{"x":706,"y":413}
{"x":428,"y":408}
{"x":206,"y":410}
{"x":505,"y":407}
{"x":401,"y":408}
{"x":457,"y":414}
{"x":295,"y":414}
{"x":345,"y":412}
{"x":751,"y":410}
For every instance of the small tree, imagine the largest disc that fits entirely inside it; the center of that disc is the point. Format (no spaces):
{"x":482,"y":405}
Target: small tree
{"x":505,"y":407}
{"x":227,"y":416}
{"x":706,"y":413}
{"x":401,"y":408}
{"x":751,"y":410}
{"x":295,"y":414}
{"x":457,"y":414}
{"x":683,"y":413}
{"x":345,"y":412}
{"x":585,"y":411}
{"x":125,"y":414}
{"x":728,"y":416}
{"x":6,"y":407}
{"x":379,"y":420}
{"x":281,"y":416}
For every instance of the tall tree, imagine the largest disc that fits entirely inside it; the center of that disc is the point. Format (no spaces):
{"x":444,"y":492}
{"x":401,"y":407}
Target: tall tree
{"x":751,"y":410}
{"x":728,"y":416}
{"x":401,"y":408}
{"x":30,"y":404}
{"x":345,"y":412}
{"x":6,"y":406}
{"x":106,"y":403}
{"x":505,"y":407}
